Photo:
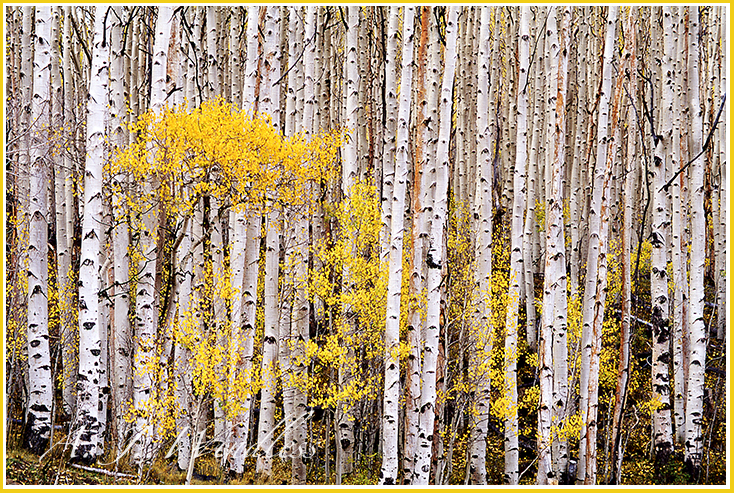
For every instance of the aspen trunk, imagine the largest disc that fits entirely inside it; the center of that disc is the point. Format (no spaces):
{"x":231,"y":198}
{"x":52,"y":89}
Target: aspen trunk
{"x":121,"y":336}
{"x":90,"y":331}
{"x":40,"y":395}
{"x":146,"y":310}
{"x":269,"y":105}
{"x":389,"y":472}
{"x":434,"y":260}
{"x":721,"y":132}
{"x":596,"y":242}
{"x":391,"y":111}
{"x":251,"y":262}
{"x":560,"y":340}
{"x":421,"y":204}
{"x":68,"y":331}
{"x":697,"y":329}
{"x":662,"y":425}
{"x":482,"y":323}
{"x":623,"y":371}
{"x":516,"y":257}
{"x":678,"y":250}
{"x":350,"y":172}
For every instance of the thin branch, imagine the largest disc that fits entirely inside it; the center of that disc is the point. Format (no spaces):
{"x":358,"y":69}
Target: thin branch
{"x":703,"y":149}
{"x":80,"y":38}
{"x":104,"y":471}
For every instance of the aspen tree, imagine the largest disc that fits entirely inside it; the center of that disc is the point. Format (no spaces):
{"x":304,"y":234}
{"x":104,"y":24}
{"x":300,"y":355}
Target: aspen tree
{"x":350,"y":172}
{"x":435,"y":258}
{"x":132,"y":73}
{"x":147,"y":301}
{"x":68,"y":331}
{"x":389,"y":471}
{"x":235,"y":65}
{"x":623,"y":372}
{"x":596,"y":249}
{"x":90,"y":329}
{"x":696,"y":327}
{"x":609,"y":155}
{"x":269,"y":98}
{"x":531,"y":230}
{"x":61,"y":174}
{"x":662,"y":425}
{"x":389,"y":136}
{"x":293,"y":120}
{"x":40,"y":394}
{"x":516,"y":260}
{"x":458,"y":170}
{"x":212,"y":87}
{"x":577,"y":196}
{"x":19,"y":293}
{"x":560,"y":308}
{"x":285,"y":331}
{"x":483,"y":213}
{"x":545,"y":335}
{"x":301,"y":310}
{"x":676,"y":234}
{"x":552,"y":349}
{"x":237,"y":245}
{"x":720,"y":149}
{"x":361,"y":128}
{"x":420,"y":202}
{"x":121,"y":335}
{"x":252,"y":255}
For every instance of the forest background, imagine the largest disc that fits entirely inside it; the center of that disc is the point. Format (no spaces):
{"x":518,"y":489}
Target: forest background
{"x":361,"y":245}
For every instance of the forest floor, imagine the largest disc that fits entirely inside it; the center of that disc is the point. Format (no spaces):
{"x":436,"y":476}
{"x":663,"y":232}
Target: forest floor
{"x":25,"y":468}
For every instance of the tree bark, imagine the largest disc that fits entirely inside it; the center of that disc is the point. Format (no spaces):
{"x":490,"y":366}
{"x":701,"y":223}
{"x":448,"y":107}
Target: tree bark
{"x":696,"y":326}
{"x":435,"y":258}
{"x":40,"y":393}
{"x":517,"y":270}
{"x":389,"y":472}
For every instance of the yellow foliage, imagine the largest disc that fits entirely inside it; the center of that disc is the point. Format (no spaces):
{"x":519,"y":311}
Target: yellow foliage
{"x":355,"y":308}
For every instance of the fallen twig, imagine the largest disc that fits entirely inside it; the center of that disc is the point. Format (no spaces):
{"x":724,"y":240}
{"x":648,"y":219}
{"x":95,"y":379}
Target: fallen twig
{"x":104,"y":471}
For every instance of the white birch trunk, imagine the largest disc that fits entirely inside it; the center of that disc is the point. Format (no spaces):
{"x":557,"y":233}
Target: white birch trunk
{"x":434,"y":260}
{"x":591,"y":289}
{"x":516,"y":257}
{"x":251,"y":263}
{"x":269,"y":98}
{"x":350,"y":165}
{"x":391,"y":111}
{"x":68,"y":330}
{"x":420,"y":206}
{"x":696,"y":326}
{"x":483,"y":212}
{"x":678,"y":253}
{"x":90,"y":343}
{"x":389,"y":471}
{"x":146,"y":310}
{"x":40,"y":393}
{"x":121,"y":336}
